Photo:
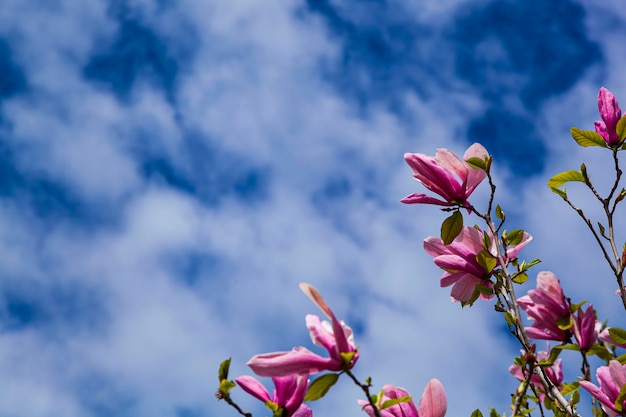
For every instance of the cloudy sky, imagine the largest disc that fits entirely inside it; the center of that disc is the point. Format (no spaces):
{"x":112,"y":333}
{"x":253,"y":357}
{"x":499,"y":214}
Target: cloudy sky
{"x":171,"y":170}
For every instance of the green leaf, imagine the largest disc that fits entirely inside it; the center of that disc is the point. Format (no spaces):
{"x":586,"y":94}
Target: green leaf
{"x":222,"y":374}
{"x":554,"y":354}
{"x":560,"y":193}
{"x":395,"y":401}
{"x":587,"y":138}
{"x":520,"y":278}
{"x":527,"y":265}
{"x":621,"y":127}
{"x":477,"y":163}
{"x":514,"y":237}
{"x":575,"y":398}
{"x":575,"y":307}
{"x":451,"y":227}
{"x":567,"y":346}
{"x":565,"y":323}
{"x":493,"y":413}
{"x":499,"y":212}
{"x":508,"y":317}
{"x":226,"y":386}
{"x":601,"y":230}
{"x":558,"y":180}
{"x":477,"y":413}
{"x":569,"y":388}
{"x":600,"y":351}
{"x":618,"y":335}
{"x":320,"y":386}
{"x":486,"y":260}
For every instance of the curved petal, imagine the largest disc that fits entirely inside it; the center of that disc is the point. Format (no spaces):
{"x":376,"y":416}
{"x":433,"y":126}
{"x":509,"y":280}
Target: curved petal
{"x":253,"y":387}
{"x":450,"y":162}
{"x":433,"y":402}
{"x":424,"y":199}
{"x":607,"y":404}
{"x":464,"y":287}
{"x":319,"y":334}
{"x":296,"y":361}
{"x":303,"y":411}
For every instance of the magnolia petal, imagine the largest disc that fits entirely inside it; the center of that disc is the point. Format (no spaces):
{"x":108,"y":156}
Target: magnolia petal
{"x":433,"y":402}
{"x":319,"y":334}
{"x":464,"y":287}
{"x":303,"y":411}
{"x":253,"y":387}
{"x":607,"y":404}
{"x":450,"y":162}
{"x":296,"y":361}
{"x":424,"y":199}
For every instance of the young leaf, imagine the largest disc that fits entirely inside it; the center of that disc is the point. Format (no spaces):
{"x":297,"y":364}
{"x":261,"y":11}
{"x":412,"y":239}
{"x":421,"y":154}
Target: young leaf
{"x":508,"y":317}
{"x":477,"y":163}
{"x":520,"y":278}
{"x":587,"y":138}
{"x":600,"y":351}
{"x":320,"y":386}
{"x":569,"y":388}
{"x":493,"y":413}
{"x":226,"y":386}
{"x":565,"y":323}
{"x":486,"y":260}
{"x":514,"y":237}
{"x":395,"y":401}
{"x":223,"y":372}
{"x":560,"y":193}
{"x":621,"y":127}
{"x":477,"y":413}
{"x":618,"y":335}
{"x":499,"y":212}
{"x":451,"y":227}
{"x":601,"y":230}
{"x":558,"y":180}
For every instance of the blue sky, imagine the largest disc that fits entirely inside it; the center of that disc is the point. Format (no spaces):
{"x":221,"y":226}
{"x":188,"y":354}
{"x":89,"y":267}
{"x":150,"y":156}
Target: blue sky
{"x":170,"y":171}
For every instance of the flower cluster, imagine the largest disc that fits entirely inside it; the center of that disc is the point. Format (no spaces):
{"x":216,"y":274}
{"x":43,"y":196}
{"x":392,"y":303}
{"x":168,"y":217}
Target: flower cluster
{"x":290,"y":370}
{"x":432,"y":404}
{"x":552,"y":314}
{"x":478,"y":264}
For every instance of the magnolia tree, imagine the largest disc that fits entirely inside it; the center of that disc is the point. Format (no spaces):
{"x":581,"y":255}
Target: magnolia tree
{"x":481,"y":263}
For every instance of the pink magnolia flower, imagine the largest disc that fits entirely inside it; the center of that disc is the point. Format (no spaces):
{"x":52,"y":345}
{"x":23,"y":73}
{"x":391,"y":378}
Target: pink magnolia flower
{"x":432,"y":404}
{"x":458,"y":259}
{"x":337,"y":338}
{"x":288,"y":395}
{"x":545,"y":305}
{"x":610,"y":114}
{"x":585,"y":329}
{"x":554,"y":372}
{"x":446,"y":175}
{"x":611,"y":378}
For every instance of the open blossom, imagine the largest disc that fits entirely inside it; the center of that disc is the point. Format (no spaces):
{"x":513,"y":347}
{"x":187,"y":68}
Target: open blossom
{"x":610,"y":114}
{"x":545,"y":305}
{"x":336,"y":337}
{"x":585,"y":328}
{"x":458,"y":259}
{"x":446,"y":175}
{"x":611,"y":378}
{"x":554,"y":372}
{"x":288,"y":395}
{"x":432,"y":404}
